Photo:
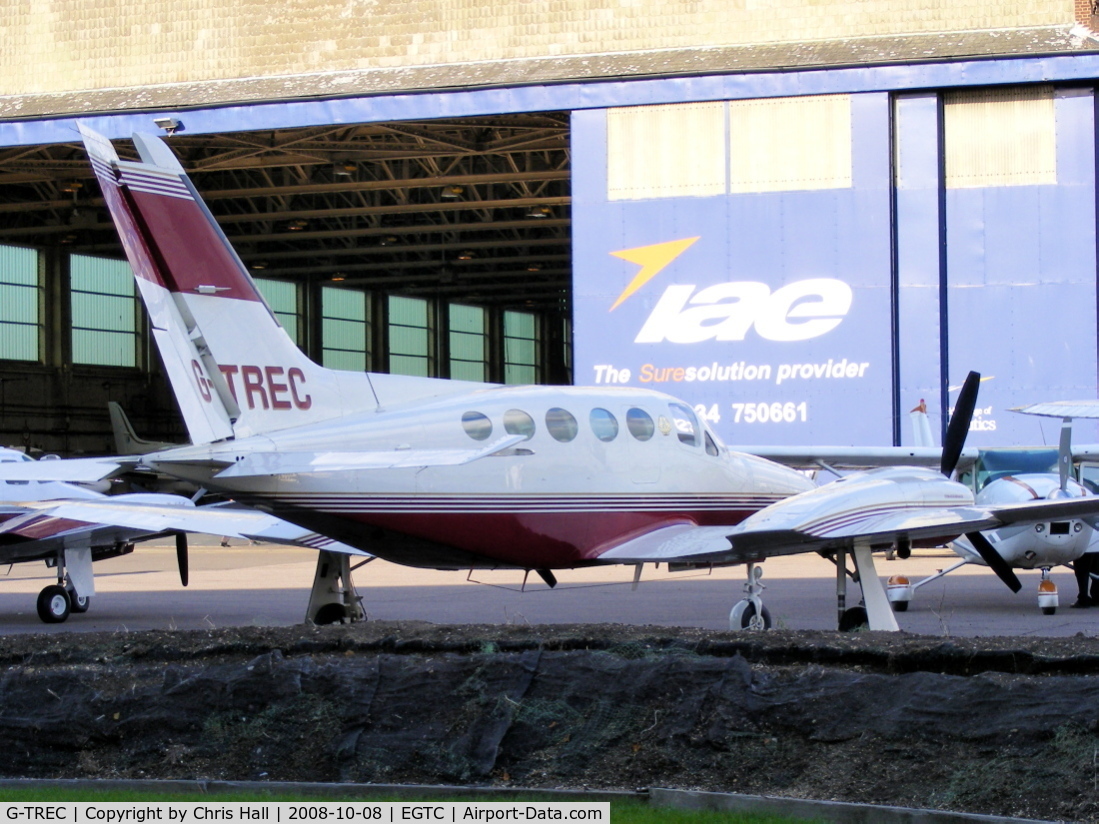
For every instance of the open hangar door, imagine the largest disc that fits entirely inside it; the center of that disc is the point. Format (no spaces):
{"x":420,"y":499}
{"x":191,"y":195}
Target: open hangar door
{"x":467,"y":212}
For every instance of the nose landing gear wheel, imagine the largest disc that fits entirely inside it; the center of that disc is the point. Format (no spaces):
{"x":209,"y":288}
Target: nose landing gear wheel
{"x":54,"y":605}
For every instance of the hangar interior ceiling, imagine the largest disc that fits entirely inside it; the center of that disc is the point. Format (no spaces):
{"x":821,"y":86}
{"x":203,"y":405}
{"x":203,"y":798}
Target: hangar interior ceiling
{"x":474,"y":209}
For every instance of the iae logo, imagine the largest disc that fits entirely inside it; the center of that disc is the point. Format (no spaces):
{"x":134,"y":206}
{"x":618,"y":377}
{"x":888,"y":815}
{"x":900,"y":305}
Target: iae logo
{"x":726,"y":311}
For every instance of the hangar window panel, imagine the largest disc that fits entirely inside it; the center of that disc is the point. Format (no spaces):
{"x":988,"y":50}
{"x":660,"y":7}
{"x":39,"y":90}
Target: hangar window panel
{"x":410,"y":337}
{"x":790,"y":144}
{"x":282,"y":297}
{"x":520,"y":348}
{"x":20,"y":299}
{"x":468,"y":343}
{"x":666,"y":151}
{"x":104,"y":311}
{"x":1000,"y":137}
{"x":345,"y":329}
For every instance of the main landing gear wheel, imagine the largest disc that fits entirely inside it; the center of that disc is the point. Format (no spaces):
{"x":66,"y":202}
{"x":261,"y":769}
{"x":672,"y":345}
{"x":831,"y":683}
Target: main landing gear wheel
{"x":330,"y":614}
{"x":854,"y":619}
{"x":54,"y":605}
{"x":78,"y":604}
{"x":743,"y":616}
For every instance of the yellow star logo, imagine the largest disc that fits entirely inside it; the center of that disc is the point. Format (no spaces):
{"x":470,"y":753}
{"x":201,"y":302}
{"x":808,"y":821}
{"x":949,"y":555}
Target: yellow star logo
{"x":652,"y":260}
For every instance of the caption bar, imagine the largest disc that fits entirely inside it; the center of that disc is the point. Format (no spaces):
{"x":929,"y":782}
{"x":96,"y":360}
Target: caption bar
{"x":291,"y":812}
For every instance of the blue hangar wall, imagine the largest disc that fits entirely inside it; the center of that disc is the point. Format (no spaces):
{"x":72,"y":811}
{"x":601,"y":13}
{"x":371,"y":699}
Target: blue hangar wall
{"x":819,"y":306}
{"x":790,"y":305}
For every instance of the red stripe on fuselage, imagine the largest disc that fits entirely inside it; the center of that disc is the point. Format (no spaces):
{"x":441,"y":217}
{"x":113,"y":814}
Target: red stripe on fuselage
{"x":529,"y":540}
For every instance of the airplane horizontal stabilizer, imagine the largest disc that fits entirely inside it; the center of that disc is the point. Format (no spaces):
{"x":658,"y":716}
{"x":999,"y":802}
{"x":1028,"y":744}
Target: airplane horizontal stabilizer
{"x":260,"y":464}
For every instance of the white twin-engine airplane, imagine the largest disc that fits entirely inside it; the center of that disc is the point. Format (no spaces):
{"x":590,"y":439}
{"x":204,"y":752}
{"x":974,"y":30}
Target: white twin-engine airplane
{"x":453,"y":475}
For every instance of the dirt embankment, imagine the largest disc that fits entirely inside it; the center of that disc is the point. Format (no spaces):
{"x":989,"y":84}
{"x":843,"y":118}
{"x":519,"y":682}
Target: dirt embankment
{"x":1003,"y":726}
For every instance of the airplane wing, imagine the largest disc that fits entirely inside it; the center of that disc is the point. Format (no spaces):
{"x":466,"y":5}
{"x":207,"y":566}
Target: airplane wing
{"x":280,"y":463}
{"x":854,"y":457}
{"x":70,"y":470}
{"x":42,"y":518}
{"x":1061,"y":409}
{"x":748,"y":542}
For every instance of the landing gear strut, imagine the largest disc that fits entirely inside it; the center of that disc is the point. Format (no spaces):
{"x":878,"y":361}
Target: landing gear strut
{"x":1047,"y":594}
{"x":751,"y":613}
{"x":333,"y":599}
{"x":874,"y":612}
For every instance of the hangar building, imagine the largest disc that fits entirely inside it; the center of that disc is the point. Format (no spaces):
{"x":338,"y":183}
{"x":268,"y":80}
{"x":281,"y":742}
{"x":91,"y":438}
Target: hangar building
{"x":800,"y":217}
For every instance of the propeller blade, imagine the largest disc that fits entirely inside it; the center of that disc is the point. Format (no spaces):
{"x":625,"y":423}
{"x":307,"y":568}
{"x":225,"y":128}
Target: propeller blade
{"x":958,"y":427}
{"x":995,"y":560}
{"x":181,"y":557}
{"x":1064,"y":453}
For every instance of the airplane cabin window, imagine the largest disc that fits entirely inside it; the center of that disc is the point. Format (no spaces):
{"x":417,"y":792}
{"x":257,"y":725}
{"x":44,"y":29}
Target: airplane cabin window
{"x":640,"y":424}
{"x":604,"y":424}
{"x":1089,"y":477}
{"x":477,"y":425}
{"x":711,"y":447}
{"x":518,"y":422}
{"x":561,"y":424}
{"x":686,"y":424}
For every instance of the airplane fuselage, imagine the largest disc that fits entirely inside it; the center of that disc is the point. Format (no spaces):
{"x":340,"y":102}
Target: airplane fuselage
{"x":1032,"y":546}
{"x":598,"y":467}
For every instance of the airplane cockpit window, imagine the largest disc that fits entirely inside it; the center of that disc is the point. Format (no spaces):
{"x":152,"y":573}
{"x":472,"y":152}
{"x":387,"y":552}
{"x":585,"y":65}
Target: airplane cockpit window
{"x":711,"y":447}
{"x":477,"y":425}
{"x":518,"y":422}
{"x":686,"y":424}
{"x":604,"y":424}
{"x":1089,"y":476}
{"x":561,"y":424}
{"x":993,"y":464}
{"x":640,"y":424}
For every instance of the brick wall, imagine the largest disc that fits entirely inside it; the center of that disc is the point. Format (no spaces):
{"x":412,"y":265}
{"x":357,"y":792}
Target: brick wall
{"x":1087,"y":13}
{"x":72,"y":45}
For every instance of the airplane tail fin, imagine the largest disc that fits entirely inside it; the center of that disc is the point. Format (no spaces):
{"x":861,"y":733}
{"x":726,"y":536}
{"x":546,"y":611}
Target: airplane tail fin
{"x":921,"y":425}
{"x":207,"y":415}
{"x":126,"y":440}
{"x":234,"y":369}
